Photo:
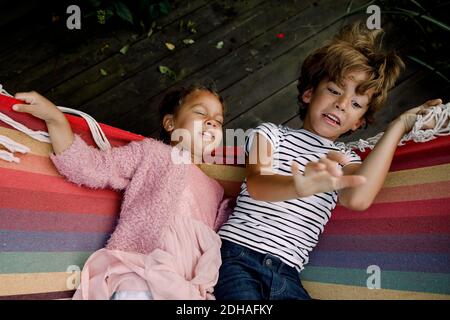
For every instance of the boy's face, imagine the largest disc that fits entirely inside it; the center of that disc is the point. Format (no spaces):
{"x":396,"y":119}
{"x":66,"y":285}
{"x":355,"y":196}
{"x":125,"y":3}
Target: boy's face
{"x":333,"y":109}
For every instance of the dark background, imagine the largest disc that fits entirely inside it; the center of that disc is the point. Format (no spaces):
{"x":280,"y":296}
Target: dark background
{"x":111,"y":67}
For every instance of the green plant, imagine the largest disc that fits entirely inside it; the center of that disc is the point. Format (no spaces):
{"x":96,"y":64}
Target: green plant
{"x":138,"y":13}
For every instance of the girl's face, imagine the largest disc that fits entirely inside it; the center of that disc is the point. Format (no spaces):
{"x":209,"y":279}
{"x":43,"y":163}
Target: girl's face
{"x":335,"y":109}
{"x":197,"y":126}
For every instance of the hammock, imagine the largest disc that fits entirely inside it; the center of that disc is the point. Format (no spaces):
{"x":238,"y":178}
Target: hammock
{"x":49,"y":227}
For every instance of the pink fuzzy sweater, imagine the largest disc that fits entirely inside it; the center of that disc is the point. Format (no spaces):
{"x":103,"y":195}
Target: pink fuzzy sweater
{"x":152,"y":183}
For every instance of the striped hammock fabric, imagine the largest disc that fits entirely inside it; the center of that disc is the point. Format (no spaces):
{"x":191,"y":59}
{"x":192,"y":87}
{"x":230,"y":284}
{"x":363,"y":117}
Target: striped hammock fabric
{"x":49,"y":227}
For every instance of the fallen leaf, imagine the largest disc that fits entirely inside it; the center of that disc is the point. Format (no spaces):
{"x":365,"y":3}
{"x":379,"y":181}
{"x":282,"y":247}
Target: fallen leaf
{"x":191,"y":27}
{"x":103,"y":72}
{"x":104,"y":47}
{"x":188,"y":41}
{"x":170,"y":46}
{"x":167,"y":71}
{"x":219,"y":45}
{"x":124,"y":49}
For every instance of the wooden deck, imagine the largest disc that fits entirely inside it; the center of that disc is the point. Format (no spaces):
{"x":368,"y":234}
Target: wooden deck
{"x":255,"y":70}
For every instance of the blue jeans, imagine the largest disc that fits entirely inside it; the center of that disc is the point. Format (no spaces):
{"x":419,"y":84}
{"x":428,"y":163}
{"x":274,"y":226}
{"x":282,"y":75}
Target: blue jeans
{"x":246,"y":274}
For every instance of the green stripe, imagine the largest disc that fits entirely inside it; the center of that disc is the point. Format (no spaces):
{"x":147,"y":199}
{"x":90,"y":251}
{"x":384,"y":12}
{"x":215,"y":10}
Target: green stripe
{"x":29,"y":262}
{"x":438,"y":283}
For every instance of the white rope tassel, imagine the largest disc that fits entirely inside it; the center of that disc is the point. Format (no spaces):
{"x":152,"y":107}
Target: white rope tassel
{"x":13,"y":146}
{"x":441,"y":115}
{"x":96,"y":131}
{"x":8,"y":156}
{"x":37,"y":135}
{"x":3,"y":91}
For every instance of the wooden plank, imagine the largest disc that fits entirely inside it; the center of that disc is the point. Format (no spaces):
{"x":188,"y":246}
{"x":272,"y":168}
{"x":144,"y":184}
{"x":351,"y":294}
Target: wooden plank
{"x":143,"y":55}
{"x":49,"y":66}
{"x":244,"y":63}
{"x":284,"y":101}
{"x":277,"y":109}
{"x":132,"y":93}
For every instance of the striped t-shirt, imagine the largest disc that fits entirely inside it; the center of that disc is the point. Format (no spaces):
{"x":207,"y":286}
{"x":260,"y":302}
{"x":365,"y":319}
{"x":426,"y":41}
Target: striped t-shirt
{"x":286,"y":229}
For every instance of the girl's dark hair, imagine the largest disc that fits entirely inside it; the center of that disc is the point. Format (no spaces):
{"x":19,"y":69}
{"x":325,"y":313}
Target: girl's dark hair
{"x":173,"y":101}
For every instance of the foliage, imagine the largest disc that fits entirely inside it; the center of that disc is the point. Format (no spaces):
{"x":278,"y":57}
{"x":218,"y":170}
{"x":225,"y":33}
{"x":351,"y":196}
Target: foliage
{"x":138,"y":13}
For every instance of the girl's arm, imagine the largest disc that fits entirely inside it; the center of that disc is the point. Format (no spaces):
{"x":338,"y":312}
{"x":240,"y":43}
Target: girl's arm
{"x":74,"y":159}
{"x":376,"y":166}
{"x":59,"y":128}
{"x":321,"y":176}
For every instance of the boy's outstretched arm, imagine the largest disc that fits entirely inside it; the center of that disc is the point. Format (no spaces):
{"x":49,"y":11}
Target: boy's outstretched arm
{"x":376,"y":166}
{"x":322,"y":176}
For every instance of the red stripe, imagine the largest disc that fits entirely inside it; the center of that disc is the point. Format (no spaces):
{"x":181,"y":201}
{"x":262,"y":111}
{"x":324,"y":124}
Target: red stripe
{"x":434,"y":190}
{"x":11,"y":219}
{"x":32,"y":163}
{"x":383,"y":243}
{"x":392,"y":226}
{"x":116,"y":136}
{"x":417,"y":155}
{"x":41,"y":296}
{"x":45,"y":183}
{"x":419,"y":208}
{"x":57,"y":202}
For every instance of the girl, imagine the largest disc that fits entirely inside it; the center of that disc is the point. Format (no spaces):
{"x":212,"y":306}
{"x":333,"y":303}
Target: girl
{"x":165,"y":245}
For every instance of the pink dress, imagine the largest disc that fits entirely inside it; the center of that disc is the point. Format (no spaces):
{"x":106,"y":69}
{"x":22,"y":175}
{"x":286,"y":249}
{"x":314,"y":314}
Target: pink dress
{"x":185,"y":266}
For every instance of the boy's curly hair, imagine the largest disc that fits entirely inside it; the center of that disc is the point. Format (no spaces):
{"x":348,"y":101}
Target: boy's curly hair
{"x":353,"y":48}
{"x":174,"y":99}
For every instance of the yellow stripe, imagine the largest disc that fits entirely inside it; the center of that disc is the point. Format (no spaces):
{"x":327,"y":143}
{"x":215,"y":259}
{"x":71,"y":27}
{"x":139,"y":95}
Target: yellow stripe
{"x":326,"y":291}
{"x":237,"y":174}
{"x":418,"y":176}
{"x":426,"y":191}
{"x":37,"y":147}
{"x":29,"y":283}
{"x":408,"y":177}
{"x":224,"y":172}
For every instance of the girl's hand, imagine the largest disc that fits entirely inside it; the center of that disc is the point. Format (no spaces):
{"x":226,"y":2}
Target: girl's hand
{"x":324,"y":176}
{"x":37,"y":106}
{"x":408,"y":118}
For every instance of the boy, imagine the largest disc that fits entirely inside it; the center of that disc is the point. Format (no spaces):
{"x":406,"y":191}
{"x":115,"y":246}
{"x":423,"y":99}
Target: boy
{"x":295,"y":177}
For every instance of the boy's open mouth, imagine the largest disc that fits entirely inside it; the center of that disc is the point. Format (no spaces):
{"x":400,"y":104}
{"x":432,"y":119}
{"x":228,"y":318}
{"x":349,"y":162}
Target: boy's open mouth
{"x":331,"y":118}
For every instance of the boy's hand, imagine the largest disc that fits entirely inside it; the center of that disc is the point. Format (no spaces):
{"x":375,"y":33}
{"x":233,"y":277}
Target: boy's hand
{"x":37,"y":106}
{"x":408,"y":118}
{"x":324,"y":176}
